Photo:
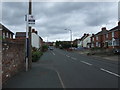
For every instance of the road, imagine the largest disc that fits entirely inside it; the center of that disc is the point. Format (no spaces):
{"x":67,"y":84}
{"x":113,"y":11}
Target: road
{"x":73,"y":70}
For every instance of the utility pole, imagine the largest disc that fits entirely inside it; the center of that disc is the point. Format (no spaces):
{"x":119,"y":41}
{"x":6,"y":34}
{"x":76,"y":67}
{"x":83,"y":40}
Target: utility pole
{"x":29,"y":34}
{"x":70,"y":36}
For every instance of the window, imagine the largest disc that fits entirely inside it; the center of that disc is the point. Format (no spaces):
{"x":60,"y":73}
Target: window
{"x":116,"y":42}
{"x":97,"y":38}
{"x":3,"y":35}
{"x":97,"y":44}
{"x":106,"y":35}
{"x":110,"y":43}
{"x":7,"y":35}
{"x":10,"y":35}
{"x":93,"y":38}
{"x":112,"y":34}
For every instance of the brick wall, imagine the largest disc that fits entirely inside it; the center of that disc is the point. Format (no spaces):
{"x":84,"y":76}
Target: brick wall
{"x":13,"y":59}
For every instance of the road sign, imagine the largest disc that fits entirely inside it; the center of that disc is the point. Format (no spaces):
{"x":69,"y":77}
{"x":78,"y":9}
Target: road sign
{"x":30,"y":20}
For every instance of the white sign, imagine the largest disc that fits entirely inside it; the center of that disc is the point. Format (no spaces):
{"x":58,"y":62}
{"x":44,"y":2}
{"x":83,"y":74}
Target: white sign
{"x":31,"y":20}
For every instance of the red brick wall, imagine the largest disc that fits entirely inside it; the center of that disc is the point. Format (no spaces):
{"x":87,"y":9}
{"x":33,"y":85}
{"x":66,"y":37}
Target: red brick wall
{"x":110,"y":36}
{"x":117,"y":34}
{"x":12,"y":59}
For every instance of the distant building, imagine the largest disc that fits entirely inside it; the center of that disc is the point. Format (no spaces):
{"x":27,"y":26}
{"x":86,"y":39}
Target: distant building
{"x":6,"y":33}
{"x":36,"y":40}
{"x":20,"y":35}
{"x":84,"y":41}
{"x":99,"y":39}
{"x":107,"y":38}
{"x":75,"y":43}
{"x":113,"y":37}
{"x":41,"y":41}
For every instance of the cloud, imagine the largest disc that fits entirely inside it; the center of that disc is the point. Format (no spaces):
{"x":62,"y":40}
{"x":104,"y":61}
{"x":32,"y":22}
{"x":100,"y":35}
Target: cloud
{"x":53,"y":17}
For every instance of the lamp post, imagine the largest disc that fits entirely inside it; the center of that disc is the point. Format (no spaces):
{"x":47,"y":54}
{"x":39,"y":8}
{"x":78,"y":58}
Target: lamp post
{"x":70,"y":36}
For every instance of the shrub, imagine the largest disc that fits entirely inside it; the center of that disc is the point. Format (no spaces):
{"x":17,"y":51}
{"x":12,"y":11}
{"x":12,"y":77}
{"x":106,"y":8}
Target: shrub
{"x":44,"y":48}
{"x":36,"y":55}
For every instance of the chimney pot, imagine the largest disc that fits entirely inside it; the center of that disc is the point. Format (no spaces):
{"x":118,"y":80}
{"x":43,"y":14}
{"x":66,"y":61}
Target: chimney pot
{"x":118,"y":23}
{"x":103,"y":28}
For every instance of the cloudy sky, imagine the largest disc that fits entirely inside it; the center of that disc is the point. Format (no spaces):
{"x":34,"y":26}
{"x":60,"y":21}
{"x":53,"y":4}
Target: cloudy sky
{"x":53,"y":17}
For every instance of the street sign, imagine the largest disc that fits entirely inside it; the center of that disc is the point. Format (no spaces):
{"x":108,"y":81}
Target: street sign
{"x":30,"y":20}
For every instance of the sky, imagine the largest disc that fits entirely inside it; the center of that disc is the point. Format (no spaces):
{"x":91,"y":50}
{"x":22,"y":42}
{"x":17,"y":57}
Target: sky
{"x":52,"y":18}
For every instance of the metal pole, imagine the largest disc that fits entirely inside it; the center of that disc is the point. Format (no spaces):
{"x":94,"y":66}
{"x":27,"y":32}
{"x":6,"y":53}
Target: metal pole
{"x":71,"y":38}
{"x":29,"y":34}
{"x":26,"y":16}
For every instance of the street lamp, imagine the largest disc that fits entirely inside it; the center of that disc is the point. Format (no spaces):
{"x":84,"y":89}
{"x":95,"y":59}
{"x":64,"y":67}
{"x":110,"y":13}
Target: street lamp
{"x":70,"y":35}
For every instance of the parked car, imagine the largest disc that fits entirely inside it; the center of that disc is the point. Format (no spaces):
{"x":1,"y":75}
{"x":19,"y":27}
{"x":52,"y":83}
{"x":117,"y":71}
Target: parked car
{"x":116,"y":51}
{"x":51,"y":48}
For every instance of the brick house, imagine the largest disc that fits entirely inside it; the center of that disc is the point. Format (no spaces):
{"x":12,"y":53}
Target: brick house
{"x":100,"y":39}
{"x":6,"y":33}
{"x":114,"y":37}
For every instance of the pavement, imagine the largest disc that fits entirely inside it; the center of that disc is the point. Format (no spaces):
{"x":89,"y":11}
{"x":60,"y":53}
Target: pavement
{"x":106,"y":57}
{"x":37,"y":77}
{"x":61,"y":69}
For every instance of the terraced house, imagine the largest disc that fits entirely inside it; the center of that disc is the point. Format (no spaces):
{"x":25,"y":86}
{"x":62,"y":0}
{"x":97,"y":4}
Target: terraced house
{"x":99,"y":39}
{"x":107,"y":38}
{"x":114,"y":37}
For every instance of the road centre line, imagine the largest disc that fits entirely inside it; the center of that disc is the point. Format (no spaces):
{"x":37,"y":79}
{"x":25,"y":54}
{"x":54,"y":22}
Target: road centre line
{"x":73,"y":58}
{"x":67,"y":56}
{"x":109,"y":72}
{"x":86,"y":63}
{"x":53,"y":53}
{"x":61,"y":81}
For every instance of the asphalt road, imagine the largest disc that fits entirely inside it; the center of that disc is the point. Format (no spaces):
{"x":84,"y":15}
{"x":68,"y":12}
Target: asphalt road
{"x":71,"y":70}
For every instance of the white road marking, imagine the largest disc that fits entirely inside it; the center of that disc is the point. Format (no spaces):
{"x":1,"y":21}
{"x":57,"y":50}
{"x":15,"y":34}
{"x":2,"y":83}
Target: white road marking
{"x":53,"y":53}
{"x":109,"y":72}
{"x":60,"y":79}
{"x":67,"y":56}
{"x":86,"y":63}
{"x":73,"y":58}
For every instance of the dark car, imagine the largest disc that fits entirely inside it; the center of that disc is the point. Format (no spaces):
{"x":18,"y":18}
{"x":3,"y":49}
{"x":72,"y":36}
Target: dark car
{"x":116,"y":51}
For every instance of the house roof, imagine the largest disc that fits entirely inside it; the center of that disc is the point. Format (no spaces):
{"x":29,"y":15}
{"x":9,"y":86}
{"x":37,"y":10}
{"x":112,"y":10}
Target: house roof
{"x":103,"y":31}
{"x":2,"y":27}
{"x":40,"y":38}
{"x":115,"y":28}
{"x":83,"y":37}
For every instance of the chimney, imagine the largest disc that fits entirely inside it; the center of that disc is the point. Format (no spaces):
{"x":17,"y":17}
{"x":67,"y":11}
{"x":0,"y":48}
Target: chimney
{"x":103,"y":28}
{"x":36,"y":32}
{"x":88,"y":34}
{"x":33,"y":30}
{"x":84,"y":34}
{"x":93,"y":34}
{"x":118,"y":23}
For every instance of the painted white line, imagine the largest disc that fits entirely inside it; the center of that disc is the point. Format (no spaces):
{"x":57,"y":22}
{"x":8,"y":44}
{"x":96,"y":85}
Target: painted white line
{"x":109,"y":72}
{"x":86,"y":63}
{"x":60,"y":79}
{"x":53,"y":53}
{"x":73,"y":58}
{"x":67,"y":56}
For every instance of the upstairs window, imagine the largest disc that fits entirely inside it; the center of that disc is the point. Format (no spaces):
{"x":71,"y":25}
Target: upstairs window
{"x":7,"y":35}
{"x":97,"y":38}
{"x":112,"y":34}
{"x":106,"y":35}
{"x":3,"y":35}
